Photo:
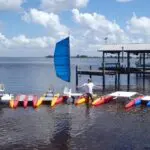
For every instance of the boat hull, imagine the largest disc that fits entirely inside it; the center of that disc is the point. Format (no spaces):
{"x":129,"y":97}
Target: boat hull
{"x":11,"y":103}
{"x":133,"y":102}
{"x":54,"y":100}
{"x":102,"y":100}
{"x":34,"y":101}
{"x":39,"y":101}
{"x":25,"y":102}
{"x":148,"y":104}
{"x":81,"y":100}
{"x":16,"y":101}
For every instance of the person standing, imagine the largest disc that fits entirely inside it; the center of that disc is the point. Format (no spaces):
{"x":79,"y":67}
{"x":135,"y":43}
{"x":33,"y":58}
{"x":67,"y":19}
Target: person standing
{"x":89,"y":89}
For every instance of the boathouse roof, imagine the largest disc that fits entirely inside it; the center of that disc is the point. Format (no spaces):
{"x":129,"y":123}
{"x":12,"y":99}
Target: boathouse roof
{"x":114,"y":48}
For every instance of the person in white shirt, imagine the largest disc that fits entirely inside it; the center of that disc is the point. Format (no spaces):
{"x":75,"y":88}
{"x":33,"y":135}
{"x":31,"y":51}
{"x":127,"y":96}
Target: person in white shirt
{"x":89,"y":88}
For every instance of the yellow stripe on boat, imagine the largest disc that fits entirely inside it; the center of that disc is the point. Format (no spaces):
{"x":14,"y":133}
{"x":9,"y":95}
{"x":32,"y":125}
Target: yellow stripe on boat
{"x":81,"y":101}
{"x":11,"y":103}
{"x":53,"y":102}
{"x":39,"y":102}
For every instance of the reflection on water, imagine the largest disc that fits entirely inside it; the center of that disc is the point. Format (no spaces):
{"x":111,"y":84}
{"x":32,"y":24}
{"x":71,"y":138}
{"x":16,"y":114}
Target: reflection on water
{"x":67,"y":126}
{"x":70,"y":127}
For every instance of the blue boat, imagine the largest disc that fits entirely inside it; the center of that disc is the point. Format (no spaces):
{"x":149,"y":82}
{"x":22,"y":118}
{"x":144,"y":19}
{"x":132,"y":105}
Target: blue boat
{"x":148,"y":104}
{"x":138,"y":102}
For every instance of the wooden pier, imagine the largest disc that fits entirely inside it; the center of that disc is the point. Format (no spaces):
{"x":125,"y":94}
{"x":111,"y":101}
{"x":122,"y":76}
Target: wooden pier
{"x":117,"y":70}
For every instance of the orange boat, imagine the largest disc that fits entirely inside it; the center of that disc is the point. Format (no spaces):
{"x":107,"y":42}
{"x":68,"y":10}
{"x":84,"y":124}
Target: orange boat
{"x":102,"y":100}
{"x":25,"y":102}
{"x":16,"y":101}
{"x":61,"y":99}
{"x":54,"y":100}
{"x":34,"y":101}
{"x":11,"y":103}
{"x":40,"y":101}
{"x":81,"y":100}
{"x":132,"y":102}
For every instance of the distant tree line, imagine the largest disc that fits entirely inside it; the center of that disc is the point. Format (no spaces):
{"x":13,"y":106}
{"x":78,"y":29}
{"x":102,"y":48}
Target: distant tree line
{"x":77,"y":56}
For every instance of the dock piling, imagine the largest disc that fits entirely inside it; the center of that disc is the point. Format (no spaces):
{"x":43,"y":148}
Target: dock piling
{"x":76,"y":75}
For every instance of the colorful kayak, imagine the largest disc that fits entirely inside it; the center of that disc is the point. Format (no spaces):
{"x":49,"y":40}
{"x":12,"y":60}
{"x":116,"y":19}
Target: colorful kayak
{"x":11,"y":103}
{"x":16,"y":102}
{"x":133,"y":102}
{"x":34,"y":101}
{"x":61,"y":99}
{"x":54,"y":99}
{"x":39,"y":101}
{"x":138,"y":102}
{"x":81,"y":100}
{"x":25,"y":102}
{"x":102,"y":100}
{"x":148,"y":104}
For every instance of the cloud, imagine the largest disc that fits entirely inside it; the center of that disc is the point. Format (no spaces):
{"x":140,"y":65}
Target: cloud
{"x":62,"y":5}
{"x":124,"y":1}
{"x":22,"y":42}
{"x":12,"y":5}
{"x":138,"y":28}
{"x":97,"y":26}
{"x":139,"y":25}
{"x":48,"y":20}
{"x":93,"y":28}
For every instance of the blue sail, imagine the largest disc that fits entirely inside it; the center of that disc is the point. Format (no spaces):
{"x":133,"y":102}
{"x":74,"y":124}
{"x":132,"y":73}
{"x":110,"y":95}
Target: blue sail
{"x":62,"y":59}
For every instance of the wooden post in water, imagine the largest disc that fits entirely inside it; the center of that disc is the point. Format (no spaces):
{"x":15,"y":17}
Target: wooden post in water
{"x":119,"y":69}
{"x":144,"y":70}
{"x":90,"y":72}
{"x":76,"y":75}
{"x":128,"y":70}
{"x":115,"y":81}
{"x":140,"y":61}
{"x":103,"y":63}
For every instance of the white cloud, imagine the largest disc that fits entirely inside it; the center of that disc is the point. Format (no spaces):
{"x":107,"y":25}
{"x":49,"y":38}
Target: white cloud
{"x":62,"y":5}
{"x":139,"y":25}
{"x":124,"y":1}
{"x":138,"y":28}
{"x":25,"y":46}
{"x":98,"y":27}
{"x":22,"y":42}
{"x":10,"y":5}
{"x":93,"y":28}
{"x":48,"y":20}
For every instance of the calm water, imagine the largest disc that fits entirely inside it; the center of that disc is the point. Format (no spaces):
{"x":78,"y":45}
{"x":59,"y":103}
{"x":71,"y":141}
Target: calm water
{"x":67,"y":126}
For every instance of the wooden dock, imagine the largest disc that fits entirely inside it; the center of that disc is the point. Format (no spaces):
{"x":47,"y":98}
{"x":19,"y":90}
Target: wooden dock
{"x":116,"y":69}
{"x":116,"y":72}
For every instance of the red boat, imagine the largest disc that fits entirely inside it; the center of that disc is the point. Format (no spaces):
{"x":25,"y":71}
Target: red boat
{"x":61,"y":99}
{"x":35,"y":99}
{"x":25,"y":102}
{"x":132,"y":102}
{"x":16,"y":101}
{"x":102,"y":100}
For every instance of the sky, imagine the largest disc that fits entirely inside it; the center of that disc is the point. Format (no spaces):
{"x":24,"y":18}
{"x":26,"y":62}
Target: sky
{"x":31,"y":28}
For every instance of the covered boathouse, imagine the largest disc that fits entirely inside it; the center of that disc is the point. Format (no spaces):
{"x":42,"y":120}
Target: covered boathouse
{"x":121,"y":51}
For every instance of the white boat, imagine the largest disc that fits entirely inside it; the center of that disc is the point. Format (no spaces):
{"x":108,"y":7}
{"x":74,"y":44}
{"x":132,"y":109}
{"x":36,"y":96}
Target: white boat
{"x":4,"y":97}
{"x":48,"y":96}
{"x":2,"y":90}
{"x":68,"y":92}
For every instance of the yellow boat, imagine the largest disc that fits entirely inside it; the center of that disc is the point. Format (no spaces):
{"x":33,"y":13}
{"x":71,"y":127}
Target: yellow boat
{"x":53,"y":102}
{"x":84,"y":99}
{"x":81,"y":100}
{"x":40,"y":100}
{"x":11,"y":103}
